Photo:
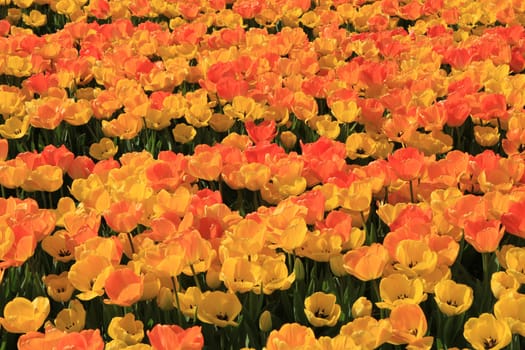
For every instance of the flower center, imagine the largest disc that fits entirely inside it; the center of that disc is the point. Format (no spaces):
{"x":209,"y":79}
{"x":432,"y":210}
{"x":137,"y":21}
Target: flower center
{"x":320,"y":313}
{"x":222,"y":316}
{"x":489,"y":343}
{"x":452,"y":303}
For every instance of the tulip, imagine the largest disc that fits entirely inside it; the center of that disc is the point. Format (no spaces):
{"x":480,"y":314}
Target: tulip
{"x":321,"y":309}
{"x":22,"y":315}
{"x":219,"y":308}
{"x":398,"y":289}
{"x":126,"y":329}
{"x":453,"y":298}
{"x":367,"y":262}
{"x":291,"y":336}
{"x":173,"y":337}
{"x":487,"y":332}
{"x":71,"y":319}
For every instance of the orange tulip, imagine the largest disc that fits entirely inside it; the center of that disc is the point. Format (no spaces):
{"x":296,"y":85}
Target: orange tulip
{"x":173,"y":337}
{"x":367,"y":262}
{"x":514,"y":220}
{"x":409,"y":326}
{"x":484,"y":235}
{"x":123,"y":216}
{"x":123,"y":287}
{"x":205,"y":163}
{"x":407,"y":163}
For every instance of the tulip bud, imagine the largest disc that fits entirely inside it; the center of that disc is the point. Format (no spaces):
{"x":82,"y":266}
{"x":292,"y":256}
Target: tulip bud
{"x":212,"y":278}
{"x":298,"y":268}
{"x":265,"y":321}
{"x":165,"y":299}
{"x":361,"y":307}
{"x":288,"y":139}
{"x":336,"y":265}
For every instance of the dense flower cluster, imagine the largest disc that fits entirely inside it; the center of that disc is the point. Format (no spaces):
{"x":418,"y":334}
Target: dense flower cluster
{"x":330,"y":174}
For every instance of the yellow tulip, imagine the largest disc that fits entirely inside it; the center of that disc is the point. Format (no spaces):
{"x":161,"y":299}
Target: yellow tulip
{"x":274,"y":275}
{"x":219,"y":308}
{"x":126,"y":329}
{"x":104,"y":149}
{"x":502,"y":283}
{"x":189,"y":301}
{"x":398,"y":289}
{"x":453,"y":298}
{"x":240,"y":274}
{"x":58,"y":287}
{"x":22,"y":315}
{"x":265,"y":321}
{"x":361,"y":307}
{"x":487,"y":332}
{"x":184,"y":133}
{"x":72,"y":319}
{"x":368,"y":332}
{"x":14,"y":128}
{"x":321,"y":309}
{"x":511,"y":308}
{"x":35,"y":18}
{"x":415,"y":258}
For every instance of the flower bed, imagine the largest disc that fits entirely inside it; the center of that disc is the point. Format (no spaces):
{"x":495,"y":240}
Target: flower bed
{"x":262,"y":174}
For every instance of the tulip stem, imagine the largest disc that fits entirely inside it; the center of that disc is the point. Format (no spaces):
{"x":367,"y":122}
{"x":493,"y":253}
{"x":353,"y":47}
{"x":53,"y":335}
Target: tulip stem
{"x":487,"y":294}
{"x":197,"y":283}
{"x":515,"y":344}
{"x":176,"y":294}
{"x":377,"y":295}
{"x":411,"y":191}
{"x":131,"y":243}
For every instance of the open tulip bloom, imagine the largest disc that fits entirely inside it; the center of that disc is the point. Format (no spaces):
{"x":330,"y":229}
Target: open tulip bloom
{"x":248,"y":174}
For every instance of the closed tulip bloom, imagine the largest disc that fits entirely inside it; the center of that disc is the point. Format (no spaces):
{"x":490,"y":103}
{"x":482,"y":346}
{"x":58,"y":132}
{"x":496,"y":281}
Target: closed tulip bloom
{"x":487,"y":332}
{"x":219,"y":308}
{"x":22,"y":315}
{"x":126,"y":329}
{"x":453,"y":298}
{"x":361,"y":307}
{"x":398,"y":289}
{"x":321,"y":309}
{"x":265,"y":321}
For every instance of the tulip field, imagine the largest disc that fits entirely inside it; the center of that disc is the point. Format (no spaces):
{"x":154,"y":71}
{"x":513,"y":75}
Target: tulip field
{"x":249,"y":174}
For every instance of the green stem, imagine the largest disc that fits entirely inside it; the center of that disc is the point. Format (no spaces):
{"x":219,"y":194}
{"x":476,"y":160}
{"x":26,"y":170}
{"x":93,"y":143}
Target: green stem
{"x":197,"y":283}
{"x":487,"y":294}
{"x":176,"y":294}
